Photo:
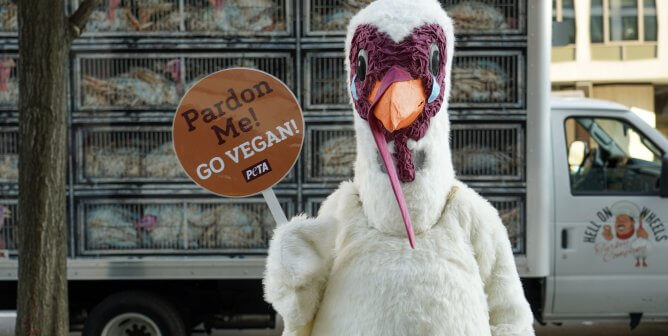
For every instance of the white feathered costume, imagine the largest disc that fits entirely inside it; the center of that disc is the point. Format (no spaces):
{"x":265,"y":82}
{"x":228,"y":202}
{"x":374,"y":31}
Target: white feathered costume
{"x":350,"y":271}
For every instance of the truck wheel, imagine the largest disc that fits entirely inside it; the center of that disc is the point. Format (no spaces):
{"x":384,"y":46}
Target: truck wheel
{"x":134,"y":314}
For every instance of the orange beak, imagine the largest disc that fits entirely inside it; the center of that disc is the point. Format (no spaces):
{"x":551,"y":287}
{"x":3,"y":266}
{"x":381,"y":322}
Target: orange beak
{"x":401,"y":101}
{"x":400,"y":104}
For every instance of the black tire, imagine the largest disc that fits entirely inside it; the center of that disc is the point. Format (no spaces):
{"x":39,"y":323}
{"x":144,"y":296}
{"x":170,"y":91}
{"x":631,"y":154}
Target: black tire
{"x":158,"y":310}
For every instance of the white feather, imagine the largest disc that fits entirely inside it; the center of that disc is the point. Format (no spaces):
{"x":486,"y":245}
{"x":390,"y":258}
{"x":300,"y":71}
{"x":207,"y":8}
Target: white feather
{"x":350,"y":271}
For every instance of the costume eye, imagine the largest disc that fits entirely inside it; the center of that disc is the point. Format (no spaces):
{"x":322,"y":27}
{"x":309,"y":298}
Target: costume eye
{"x":361,"y":65}
{"x":434,"y":60}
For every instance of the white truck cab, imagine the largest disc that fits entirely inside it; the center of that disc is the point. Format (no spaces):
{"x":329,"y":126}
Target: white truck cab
{"x":609,"y":236}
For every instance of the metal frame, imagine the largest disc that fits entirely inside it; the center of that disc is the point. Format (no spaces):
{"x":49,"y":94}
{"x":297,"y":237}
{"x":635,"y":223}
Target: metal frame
{"x":180,"y":8}
{"x":286,"y":200}
{"x":309,"y":160}
{"x":519,"y":131}
{"x":539,"y":202}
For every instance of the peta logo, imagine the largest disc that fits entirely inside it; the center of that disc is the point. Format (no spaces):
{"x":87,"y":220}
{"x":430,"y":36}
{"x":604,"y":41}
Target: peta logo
{"x":256,"y":170}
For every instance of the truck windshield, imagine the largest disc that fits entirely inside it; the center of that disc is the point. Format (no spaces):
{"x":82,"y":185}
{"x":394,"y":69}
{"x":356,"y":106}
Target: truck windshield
{"x":606,"y":154}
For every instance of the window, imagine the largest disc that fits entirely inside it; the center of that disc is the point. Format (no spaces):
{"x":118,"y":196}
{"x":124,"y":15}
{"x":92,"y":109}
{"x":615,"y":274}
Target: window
{"x":563,"y":23}
{"x":623,"y":20}
{"x":609,"y":155}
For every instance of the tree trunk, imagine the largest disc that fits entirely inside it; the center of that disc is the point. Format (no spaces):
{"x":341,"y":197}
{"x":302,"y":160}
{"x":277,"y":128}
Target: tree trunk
{"x":45,"y":34}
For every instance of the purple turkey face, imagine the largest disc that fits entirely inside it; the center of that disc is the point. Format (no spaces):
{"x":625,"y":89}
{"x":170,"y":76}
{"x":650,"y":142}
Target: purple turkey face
{"x":375,"y":57}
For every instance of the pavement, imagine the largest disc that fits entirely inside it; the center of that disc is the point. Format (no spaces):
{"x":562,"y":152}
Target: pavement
{"x":568,"y":329}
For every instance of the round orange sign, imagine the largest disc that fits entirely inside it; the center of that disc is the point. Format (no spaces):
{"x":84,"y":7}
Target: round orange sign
{"x":238,"y":132}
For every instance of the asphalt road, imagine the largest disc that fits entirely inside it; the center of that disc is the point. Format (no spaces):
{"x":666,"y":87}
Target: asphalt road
{"x":569,"y":329}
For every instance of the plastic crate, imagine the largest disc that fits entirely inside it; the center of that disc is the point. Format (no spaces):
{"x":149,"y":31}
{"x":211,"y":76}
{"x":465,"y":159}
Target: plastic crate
{"x":9,"y":235}
{"x":512,"y":211}
{"x":487,"y":17}
{"x":330,"y":17}
{"x":488,"y":79}
{"x":9,"y":154}
{"x":9,"y":81}
{"x":279,"y":64}
{"x":129,"y":154}
{"x":238,"y":17}
{"x":471,"y":17}
{"x":173,"y":18}
{"x":163,"y":226}
{"x":135,"y":16}
{"x":330,"y":153}
{"x":126,"y":154}
{"x":9,"y":21}
{"x":325,"y":81}
{"x":488,"y":152}
{"x":135,"y":81}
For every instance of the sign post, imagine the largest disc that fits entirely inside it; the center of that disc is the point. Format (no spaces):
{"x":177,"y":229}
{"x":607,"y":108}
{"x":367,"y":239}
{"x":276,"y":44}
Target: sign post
{"x":238,"y":132}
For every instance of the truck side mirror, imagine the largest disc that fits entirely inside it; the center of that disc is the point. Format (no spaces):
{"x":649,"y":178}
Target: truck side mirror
{"x":663,"y":179}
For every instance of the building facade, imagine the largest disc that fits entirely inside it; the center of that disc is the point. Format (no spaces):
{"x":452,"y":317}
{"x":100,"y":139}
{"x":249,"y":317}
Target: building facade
{"x":615,"y":50}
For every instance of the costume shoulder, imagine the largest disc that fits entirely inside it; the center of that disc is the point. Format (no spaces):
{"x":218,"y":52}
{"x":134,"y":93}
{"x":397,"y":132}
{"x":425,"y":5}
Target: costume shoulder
{"x":475,"y":213}
{"x":338,"y":203}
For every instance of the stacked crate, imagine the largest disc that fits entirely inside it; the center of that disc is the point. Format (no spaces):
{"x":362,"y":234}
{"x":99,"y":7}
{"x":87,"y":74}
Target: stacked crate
{"x":128,"y":73}
{"x":487,"y":103}
{"x":138,"y":57}
{"x":9,"y":98}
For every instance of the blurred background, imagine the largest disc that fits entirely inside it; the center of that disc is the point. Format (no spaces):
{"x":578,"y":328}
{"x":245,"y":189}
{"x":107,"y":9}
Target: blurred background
{"x":615,"y":50}
{"x":133,"y":215}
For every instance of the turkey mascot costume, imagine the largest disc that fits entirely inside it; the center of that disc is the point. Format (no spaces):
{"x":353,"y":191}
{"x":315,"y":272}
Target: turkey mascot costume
{"x":351,"y":271}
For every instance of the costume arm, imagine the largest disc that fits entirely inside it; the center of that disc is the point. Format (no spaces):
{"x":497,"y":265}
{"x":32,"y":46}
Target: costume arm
{"x":509,"y":311}
{"x":298,"y":264}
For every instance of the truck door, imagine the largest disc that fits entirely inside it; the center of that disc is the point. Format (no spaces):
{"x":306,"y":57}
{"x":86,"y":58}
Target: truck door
{"x":611,"y":232}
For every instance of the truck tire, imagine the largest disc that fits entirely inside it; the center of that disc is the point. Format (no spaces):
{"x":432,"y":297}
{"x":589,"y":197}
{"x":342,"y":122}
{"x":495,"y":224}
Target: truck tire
{"x":134,"y":314}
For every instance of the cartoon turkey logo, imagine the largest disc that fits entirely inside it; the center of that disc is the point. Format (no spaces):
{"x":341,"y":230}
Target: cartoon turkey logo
{"x":627,"y":216}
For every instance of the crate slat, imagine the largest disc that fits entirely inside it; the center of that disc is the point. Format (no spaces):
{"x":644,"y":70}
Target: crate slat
{"x":162,"y":226}
{"x":330,"y":153}
{"x":488,"y":152}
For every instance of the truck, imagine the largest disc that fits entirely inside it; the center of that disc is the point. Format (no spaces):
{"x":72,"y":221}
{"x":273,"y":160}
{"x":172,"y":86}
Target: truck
{"x":579,"y":184}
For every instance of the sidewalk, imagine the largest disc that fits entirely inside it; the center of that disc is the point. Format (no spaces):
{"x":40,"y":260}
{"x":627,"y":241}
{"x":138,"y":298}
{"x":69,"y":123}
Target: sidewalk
{"x":569,"y":329}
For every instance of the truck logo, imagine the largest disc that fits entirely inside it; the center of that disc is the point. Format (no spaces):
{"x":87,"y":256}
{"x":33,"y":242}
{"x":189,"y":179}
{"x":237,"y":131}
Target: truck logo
{"x":625,"y":230}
